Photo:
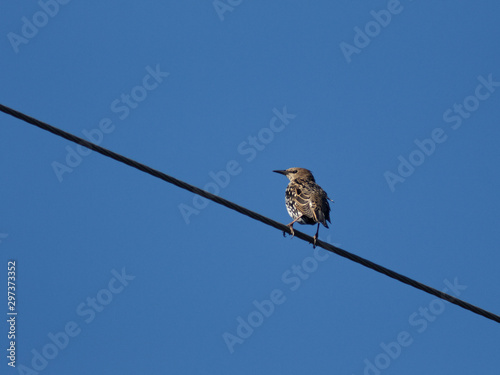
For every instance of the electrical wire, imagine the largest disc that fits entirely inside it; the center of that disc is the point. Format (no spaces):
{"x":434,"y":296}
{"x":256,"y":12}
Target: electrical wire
{"x":254,"y":215}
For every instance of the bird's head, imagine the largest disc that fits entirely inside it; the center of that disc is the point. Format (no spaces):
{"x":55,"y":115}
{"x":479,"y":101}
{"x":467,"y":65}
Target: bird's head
{"x":295,"y":173}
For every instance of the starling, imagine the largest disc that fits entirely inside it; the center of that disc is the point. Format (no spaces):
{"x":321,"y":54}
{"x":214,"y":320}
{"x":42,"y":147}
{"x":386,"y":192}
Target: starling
{"x":306,"y":202}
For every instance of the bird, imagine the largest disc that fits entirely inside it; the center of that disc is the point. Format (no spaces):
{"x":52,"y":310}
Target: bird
{"x":306,"y":202}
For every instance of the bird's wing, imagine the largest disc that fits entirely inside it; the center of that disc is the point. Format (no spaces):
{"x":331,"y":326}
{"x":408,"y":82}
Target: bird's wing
{"x":320,"y":207}
{"x":311,"y":201}
{"x":316,"y":201}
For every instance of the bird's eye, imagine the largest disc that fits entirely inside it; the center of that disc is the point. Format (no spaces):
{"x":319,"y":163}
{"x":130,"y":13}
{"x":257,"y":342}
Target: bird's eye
{"x":295,"y":171}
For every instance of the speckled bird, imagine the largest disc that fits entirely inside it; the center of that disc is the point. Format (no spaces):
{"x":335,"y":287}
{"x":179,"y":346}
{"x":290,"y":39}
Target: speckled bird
{"x":306,"y":202}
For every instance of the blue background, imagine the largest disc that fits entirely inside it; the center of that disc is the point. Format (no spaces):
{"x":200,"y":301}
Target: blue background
{"x":195,"y":281}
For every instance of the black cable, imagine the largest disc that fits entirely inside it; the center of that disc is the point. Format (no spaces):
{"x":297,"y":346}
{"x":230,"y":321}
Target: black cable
{"x":249,"y":213}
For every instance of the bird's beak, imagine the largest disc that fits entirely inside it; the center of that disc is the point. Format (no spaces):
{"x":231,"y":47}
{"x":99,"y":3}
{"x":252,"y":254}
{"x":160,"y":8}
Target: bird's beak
{"x":280,"y":172}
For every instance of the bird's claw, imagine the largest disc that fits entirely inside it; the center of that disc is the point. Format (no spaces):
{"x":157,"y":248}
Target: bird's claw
{"x":314,"y":242}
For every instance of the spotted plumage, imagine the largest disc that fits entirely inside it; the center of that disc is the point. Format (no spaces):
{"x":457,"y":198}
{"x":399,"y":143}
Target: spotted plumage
{"x":306,"y":202}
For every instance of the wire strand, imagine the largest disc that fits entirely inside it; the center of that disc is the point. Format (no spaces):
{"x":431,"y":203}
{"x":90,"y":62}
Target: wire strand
{"x":254,"y":215}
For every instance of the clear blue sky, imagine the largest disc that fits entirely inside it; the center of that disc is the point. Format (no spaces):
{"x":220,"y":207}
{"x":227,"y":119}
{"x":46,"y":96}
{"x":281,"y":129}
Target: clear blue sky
{"x":394,"y":106}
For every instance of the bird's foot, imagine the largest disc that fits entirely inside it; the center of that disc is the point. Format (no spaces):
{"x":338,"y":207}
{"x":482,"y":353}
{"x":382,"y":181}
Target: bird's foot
{"x":291,"y":230}
{"x":315,"y":238}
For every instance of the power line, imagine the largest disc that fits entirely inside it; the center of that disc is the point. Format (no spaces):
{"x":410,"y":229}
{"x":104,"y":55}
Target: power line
{"x":249,"y":213}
